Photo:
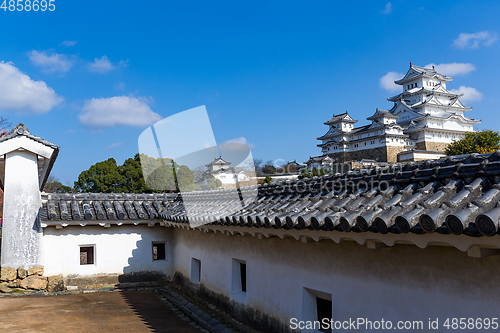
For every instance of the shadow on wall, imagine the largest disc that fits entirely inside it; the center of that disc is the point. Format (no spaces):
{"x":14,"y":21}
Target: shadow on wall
{"x":158,"y":316}
{"x":141,"y":268}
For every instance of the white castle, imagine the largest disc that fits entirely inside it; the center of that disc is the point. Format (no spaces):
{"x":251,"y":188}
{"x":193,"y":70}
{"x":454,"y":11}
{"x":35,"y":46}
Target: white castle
{"x":425,"y":118}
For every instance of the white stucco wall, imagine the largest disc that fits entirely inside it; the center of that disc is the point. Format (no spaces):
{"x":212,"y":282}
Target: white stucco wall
{"x":401,"y":282}
{"x":21,"y":231}
{"x":417,"y":156}
{"x":118,"y":249}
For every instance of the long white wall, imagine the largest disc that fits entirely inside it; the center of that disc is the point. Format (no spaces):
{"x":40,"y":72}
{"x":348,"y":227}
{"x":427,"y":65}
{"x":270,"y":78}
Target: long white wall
{"x":401,"y":282}
{"x":118,"y":249}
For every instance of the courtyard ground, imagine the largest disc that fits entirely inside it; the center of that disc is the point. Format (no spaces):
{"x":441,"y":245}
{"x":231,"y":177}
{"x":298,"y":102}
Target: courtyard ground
{"x":106,"y":311}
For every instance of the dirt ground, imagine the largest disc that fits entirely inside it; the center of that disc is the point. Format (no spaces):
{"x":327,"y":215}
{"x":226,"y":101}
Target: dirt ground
{"x":106,"y":311}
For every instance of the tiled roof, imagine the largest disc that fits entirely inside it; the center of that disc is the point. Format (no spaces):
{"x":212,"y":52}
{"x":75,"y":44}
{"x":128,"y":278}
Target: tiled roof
{"x":92,"y":208}
{"x":455,"y":195}
{"x":343,"y":117}
{"x":218,"y":161}
{"x":21,"y":130}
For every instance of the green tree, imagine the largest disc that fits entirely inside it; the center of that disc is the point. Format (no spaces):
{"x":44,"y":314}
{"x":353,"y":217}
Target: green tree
{"x":133,"y":181}
{"x":163,"y":175}
{"x":267,"y":180}
{"x":315,"y":172}
{"x":486,"y":141}
{"x":185,"y":178}
{"x":305,"y":174}
{"x":213,"y":183}
{"x":103,"y":176}
{"x":162,"y":179}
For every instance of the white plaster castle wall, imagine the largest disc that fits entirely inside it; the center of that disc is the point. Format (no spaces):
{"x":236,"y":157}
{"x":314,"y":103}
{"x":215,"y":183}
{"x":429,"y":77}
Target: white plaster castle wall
{"x":455,"y":125}
{"x":441,"y":137}
{"x":21,"y":231}
{"x":118,"y":249}
{"x":411,"y":283}
{"x":410,"y":156}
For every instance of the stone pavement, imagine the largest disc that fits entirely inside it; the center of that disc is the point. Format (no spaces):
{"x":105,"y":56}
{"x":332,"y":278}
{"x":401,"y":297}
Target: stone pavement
{"x":104,"y":311}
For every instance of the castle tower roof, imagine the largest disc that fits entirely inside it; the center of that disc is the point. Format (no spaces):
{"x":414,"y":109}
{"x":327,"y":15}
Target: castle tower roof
{"x":341,"y":118}
{"x":416,"y":72}
{"x":218,"y":161}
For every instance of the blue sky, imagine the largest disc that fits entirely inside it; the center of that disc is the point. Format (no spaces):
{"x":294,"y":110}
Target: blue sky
{"x":91,"y":76}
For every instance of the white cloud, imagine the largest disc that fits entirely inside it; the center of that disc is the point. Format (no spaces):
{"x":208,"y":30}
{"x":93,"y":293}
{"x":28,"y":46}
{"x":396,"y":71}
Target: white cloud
{"x":70,"y":131}
{"x":53,"y":62}
{"x":241,"y":140}
{"x":20,"y":93}
{"x":387,"y":81}
{"x":116,"y":111}
{"x":120,"y":86}
{"x":69,"y":43}
{"x":123,"y":63}
{"x":115,"y":145}
{"x":387,"y":8}
{"x":102,"y":65}
{"x":454,"y":68}
{"x":470,"y":94}
{"x":473,"y":41}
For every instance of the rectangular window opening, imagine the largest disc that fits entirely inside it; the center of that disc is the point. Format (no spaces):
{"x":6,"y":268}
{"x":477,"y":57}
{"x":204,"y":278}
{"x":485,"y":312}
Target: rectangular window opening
{"x":159,"y":251}
{"x":323,"y":310}
{"x":195,"y":270}
{"x":243,"y":277}
{"x":317,"y":306}
{"x":239,"y":278}
{"x":87,"y":255}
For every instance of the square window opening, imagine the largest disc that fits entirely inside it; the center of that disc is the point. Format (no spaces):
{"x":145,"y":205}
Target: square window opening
{"x":195,"y":270}
{"x":159,"y":252}
{"x":87,"y":255}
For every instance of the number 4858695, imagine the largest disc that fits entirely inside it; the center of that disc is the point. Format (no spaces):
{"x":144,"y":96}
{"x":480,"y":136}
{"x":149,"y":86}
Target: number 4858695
{"x":28,"y":5}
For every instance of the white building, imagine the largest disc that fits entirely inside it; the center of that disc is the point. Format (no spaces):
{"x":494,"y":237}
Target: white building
{"x":221,"y":170}
{"x":424,"y":119}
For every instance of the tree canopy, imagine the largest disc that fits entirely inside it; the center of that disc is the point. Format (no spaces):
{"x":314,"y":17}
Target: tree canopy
{"x":213,"y":183}
{"x":486,"y":141}
{"x":162,"y":175}
{"x":267,"y":180}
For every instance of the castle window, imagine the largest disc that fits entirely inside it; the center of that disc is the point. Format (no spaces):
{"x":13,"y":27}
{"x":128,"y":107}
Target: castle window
{"x":87,"y":254}
{"x":159,"y":251}
{"x":239,"y":278}
{"x":317,"y":307}
{"x":195,"y":270}
{"x":416,"y":84}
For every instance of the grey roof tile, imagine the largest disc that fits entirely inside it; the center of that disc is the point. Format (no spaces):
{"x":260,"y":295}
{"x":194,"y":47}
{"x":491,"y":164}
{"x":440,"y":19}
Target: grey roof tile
{"x":458,"y":194}
{"x":103,"y":206}
{"x":454,"y":195}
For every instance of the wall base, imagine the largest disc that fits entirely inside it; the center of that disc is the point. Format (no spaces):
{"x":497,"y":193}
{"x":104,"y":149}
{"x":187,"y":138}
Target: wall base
{"x":246,"y":315}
